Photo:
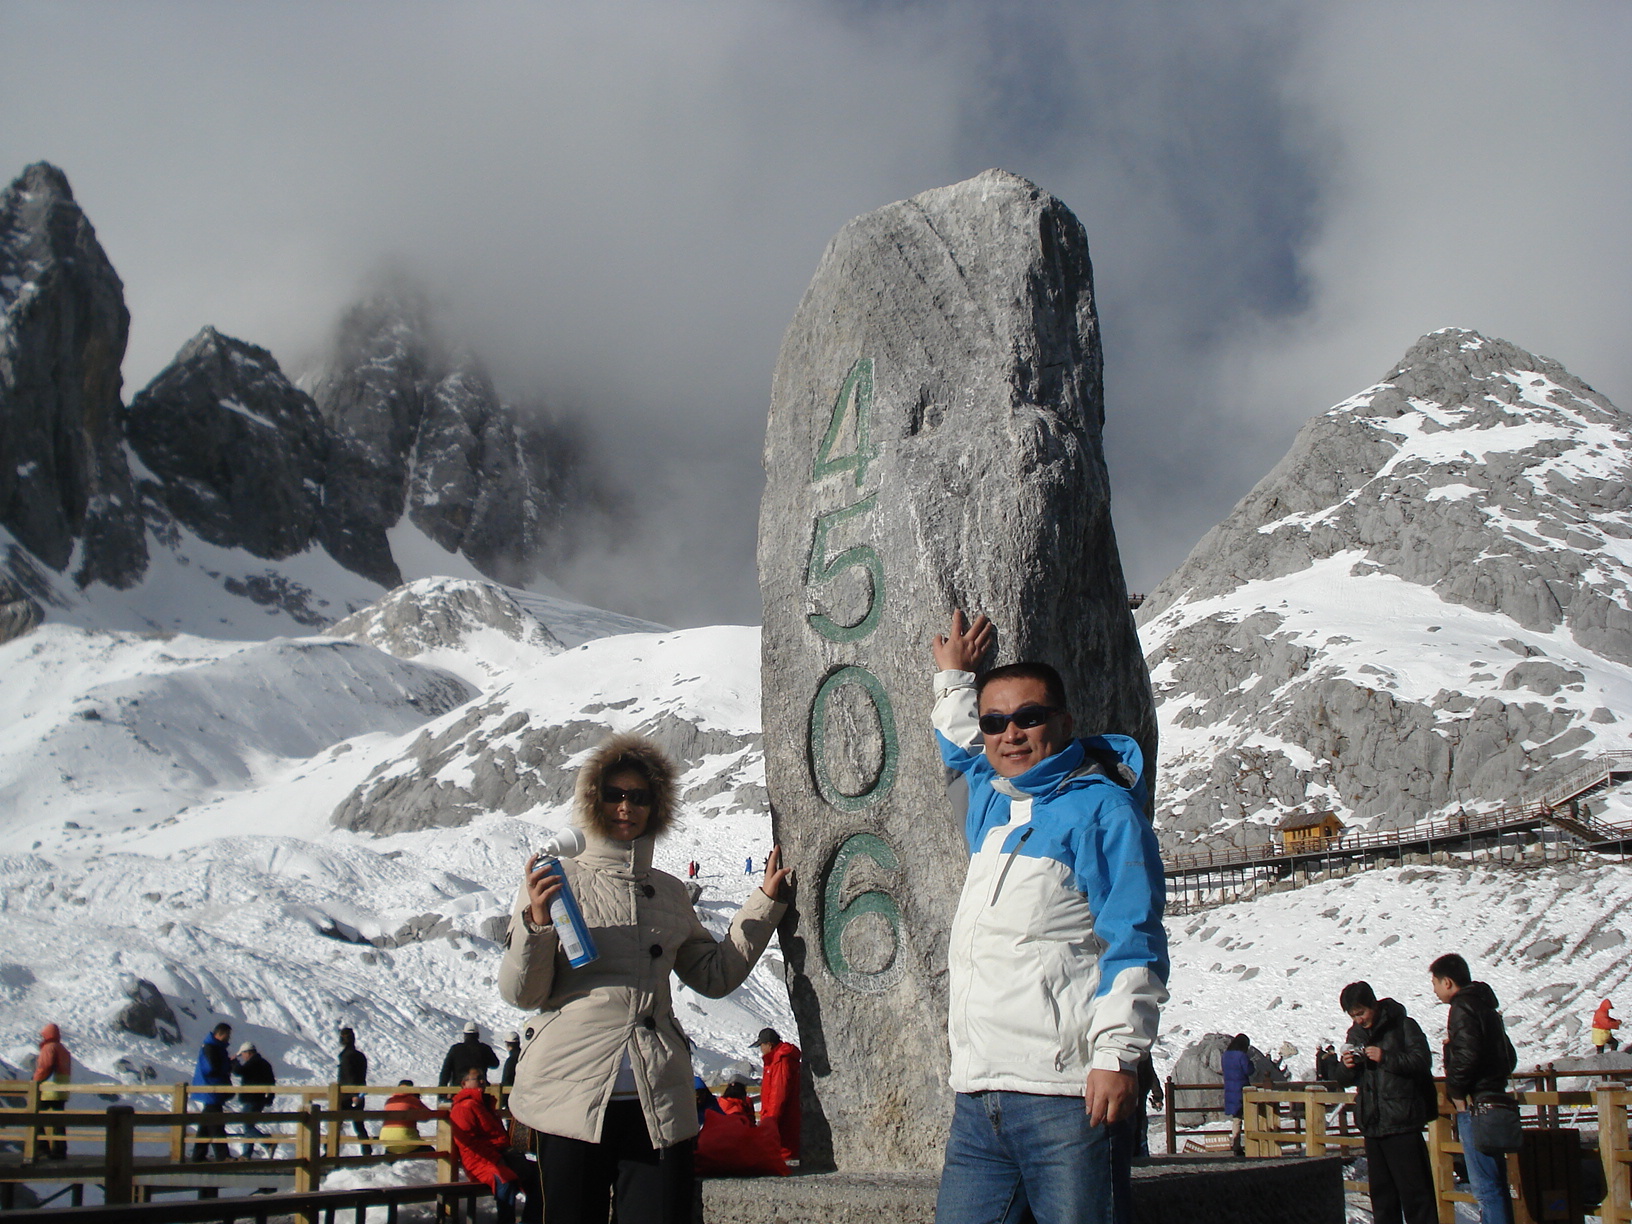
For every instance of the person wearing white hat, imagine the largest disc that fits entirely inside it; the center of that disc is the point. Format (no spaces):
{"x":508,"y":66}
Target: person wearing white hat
{"x":250,"y":1068}
{"x":470,"y":1052}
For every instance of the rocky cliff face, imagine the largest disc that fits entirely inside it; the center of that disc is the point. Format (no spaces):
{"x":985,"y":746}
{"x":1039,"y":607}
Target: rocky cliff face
{"x":404,"y":434}
{"x":1339,"y":641}
{"x":232,"y":448}
{"x":419,"y":429}
{"x":65,"y":491}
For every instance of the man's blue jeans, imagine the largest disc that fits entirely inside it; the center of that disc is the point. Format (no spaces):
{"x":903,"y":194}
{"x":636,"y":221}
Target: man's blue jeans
{"x":1010,"y":1151}
{"x":1487,"y":1176}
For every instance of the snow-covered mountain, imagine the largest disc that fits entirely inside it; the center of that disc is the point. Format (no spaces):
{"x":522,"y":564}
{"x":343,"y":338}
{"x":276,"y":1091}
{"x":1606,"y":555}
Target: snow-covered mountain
{"x":190,"y":812}
{"x":1424,"y":605}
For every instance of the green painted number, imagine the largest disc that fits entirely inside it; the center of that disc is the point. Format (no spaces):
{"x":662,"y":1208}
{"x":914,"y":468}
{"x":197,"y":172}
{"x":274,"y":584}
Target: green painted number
{"x":848,"y":444}
{"x":820,"y":569}
{"x":841,"y":906}
{"x":875,"y":790}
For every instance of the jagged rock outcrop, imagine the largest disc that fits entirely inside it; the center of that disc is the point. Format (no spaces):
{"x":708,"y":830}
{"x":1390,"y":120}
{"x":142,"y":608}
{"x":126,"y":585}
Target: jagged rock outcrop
{"x":64,"y":482}
{"x":496,"y":756}
{"x":421,"y":431}
{"x":234,"y":450}
{"x":442,"y":613}
{"x":18,"y":612}
{"x":933,"y":443}
{"x":1338,"y":641}
{"x":146,"y":1013}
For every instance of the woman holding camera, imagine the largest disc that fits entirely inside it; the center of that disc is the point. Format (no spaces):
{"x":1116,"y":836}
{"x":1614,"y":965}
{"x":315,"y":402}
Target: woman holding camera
{"x":605,"y":1073}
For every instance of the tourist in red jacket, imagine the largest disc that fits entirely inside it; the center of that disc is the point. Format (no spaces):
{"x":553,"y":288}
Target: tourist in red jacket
{"x":779,"y":1091}
{"x":482,"y":1145}
{"x":54,"y":1067}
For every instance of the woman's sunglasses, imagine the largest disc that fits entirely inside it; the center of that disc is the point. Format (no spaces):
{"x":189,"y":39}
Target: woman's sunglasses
{"x":1025,"y":717}
{"x":639,"y":796}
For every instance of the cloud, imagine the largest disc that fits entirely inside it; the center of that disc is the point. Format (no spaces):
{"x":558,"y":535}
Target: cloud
{"x":620,"y":205}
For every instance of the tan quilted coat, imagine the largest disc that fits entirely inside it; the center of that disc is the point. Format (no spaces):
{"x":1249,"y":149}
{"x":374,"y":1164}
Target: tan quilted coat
{"x":644,"y":928}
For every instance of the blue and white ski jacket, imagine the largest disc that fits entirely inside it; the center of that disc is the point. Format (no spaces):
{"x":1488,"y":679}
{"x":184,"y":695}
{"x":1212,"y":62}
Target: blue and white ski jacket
{"x":1058,"y":961}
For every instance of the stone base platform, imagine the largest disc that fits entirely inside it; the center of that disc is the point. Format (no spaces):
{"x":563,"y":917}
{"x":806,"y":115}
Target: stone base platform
{"x":1166,"y":1190}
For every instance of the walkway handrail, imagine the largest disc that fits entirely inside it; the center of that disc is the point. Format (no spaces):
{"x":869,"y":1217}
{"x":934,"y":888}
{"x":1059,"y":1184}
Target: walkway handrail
{"x":1263,"y":1135}
{"x":1528,"y":812}
{"x":311,"y":1205}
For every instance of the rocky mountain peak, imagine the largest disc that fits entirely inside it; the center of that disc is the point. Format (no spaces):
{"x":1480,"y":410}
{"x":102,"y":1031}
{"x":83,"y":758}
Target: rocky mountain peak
{"x":64,"y":485}
{"x":231,"y":448}
{"x":1338,"y":638}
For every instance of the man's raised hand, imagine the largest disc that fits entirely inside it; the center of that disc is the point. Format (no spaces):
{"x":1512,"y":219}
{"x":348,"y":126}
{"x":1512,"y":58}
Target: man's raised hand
{"x":965,"y":646}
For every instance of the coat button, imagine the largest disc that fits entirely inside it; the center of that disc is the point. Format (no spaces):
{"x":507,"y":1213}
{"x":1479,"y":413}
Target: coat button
{"x":657,"y":951}
{"x":648,"y":890}
{"x":529,"y":1034}
{"x":649,"y":1022}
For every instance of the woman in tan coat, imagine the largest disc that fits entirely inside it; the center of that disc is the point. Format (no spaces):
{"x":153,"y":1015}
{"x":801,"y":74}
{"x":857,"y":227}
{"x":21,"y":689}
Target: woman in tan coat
{"x":605,"y":1074}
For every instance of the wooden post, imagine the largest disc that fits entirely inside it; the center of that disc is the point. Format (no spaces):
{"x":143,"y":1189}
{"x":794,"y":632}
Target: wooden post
{"x":178,"y":1132}
{"x":31,"y":1141}
{"x":334,"y":1122}
{"x":1314,"y":1124}
{"x":1441,"y":1162}
{"x":309,"y":1157}
{"x":444,"y":1143}
{"x":1611,"y":1104}
{"x":1172,"y":1121}
{"x":119,"y":1155}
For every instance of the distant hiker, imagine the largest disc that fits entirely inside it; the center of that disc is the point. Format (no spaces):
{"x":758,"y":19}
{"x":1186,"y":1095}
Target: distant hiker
{"x":480,"y":1140}
{"x":353,"y":1072}
{"x":401,"y":1131}
{"x":779,"y":1090}
{"x":691,"y":870}
{"x":1386,"y":1056}
{"x":748,"y":865}
{"x":1237,"y":1066}
{"x":53,"y":1069}
{"x":470,"y":1051}
{"x":251,"y":1068}
{"x":606,"y":1082}
{"x":1327,"y":1063}
{"x":1603,"y":1029}
{"x":214,"y":1067}
{"x":1478,"y":1059}
{"x":512,"y":1054}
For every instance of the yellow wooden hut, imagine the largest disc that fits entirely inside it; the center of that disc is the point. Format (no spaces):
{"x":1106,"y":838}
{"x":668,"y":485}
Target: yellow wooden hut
{"x":1303,"y":831}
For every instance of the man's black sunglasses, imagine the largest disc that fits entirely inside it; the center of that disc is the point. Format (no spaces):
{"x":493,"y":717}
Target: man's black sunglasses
{"x":1025,"y":717}
{"x":639,"y":795}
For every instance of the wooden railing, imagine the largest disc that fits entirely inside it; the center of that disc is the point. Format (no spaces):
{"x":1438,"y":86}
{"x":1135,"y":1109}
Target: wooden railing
{"x":1278,"y":1122}
{"x":1528,"y":812}
{"x":315,"y":1134}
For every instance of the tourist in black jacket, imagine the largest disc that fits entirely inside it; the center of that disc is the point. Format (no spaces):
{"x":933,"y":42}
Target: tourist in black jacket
{"x":1478,"y":1060}
{"x":1386,"y":1057}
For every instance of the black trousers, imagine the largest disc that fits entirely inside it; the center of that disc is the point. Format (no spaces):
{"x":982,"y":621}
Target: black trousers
{"x":48,"y":1149}
{"x":1402,"y":1182}
{"x":211,"y":1122}
{"x":642,"y":1184}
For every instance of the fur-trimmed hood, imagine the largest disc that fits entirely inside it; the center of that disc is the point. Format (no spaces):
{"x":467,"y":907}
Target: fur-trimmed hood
{"x":625,"y":752}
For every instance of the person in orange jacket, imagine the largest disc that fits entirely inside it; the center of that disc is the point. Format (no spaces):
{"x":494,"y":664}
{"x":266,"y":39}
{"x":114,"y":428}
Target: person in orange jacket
{"x":401,"y":1131}
{"x":1603,"y":1029}
{"x":779,"y":1091}
{"x":54,"y":1067}
{"x":482,"y":1145}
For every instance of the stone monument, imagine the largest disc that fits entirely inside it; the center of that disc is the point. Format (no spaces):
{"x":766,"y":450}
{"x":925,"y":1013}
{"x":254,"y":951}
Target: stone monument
{"x":934,"y":443}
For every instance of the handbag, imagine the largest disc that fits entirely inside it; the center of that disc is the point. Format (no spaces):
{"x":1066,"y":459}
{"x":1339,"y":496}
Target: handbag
{"x":1496,"y":1129}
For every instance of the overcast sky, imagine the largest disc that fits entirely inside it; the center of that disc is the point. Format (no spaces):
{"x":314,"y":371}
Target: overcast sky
{"x":619,"y":205}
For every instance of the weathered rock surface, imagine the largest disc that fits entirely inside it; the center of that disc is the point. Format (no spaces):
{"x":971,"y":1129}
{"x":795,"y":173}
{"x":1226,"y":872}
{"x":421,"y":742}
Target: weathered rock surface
{"x":235,"y":451}
{"x":64,"y":482}
{"x":420,"y":430}
{"x":19,"y":613}
{"x":436,"y":614}
{"x":934,"y":442}
{"x":1346,"y":638}
{"x":146,"y":1013}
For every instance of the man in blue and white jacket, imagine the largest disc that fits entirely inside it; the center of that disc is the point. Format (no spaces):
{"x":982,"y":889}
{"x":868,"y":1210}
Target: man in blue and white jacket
{"x":1058,"y":959}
